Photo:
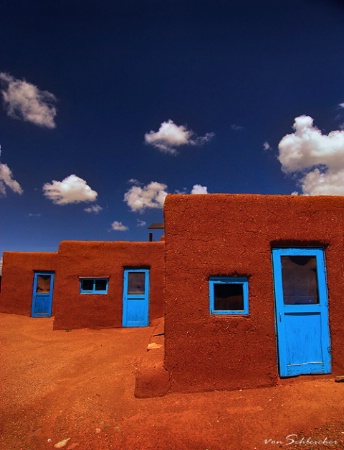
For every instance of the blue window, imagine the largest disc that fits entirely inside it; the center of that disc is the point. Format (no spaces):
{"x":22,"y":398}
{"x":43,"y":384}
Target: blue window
{"x":94,"y":285}
{"x":228,"y":295}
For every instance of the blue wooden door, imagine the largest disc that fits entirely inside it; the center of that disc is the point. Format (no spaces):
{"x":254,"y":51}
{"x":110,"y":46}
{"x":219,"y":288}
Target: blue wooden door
{"x":301,"y":311}
{"x":136,"y":298}
{"x":42,"y":297}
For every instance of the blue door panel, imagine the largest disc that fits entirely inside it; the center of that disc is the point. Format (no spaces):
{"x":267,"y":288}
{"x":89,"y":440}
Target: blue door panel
{"x":136,"y":298}
{"x":301,"y":313}
{"x":303,"y":343}
{"x":42,"y":296}
{"x":136,"y":313}
{"x":41,"y":306}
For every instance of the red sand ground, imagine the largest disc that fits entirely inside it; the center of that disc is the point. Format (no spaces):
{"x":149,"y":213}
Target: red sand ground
{"x":80,"y":385}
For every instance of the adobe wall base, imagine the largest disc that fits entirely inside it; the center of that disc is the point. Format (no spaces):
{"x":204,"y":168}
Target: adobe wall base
{"x":152,"y":379}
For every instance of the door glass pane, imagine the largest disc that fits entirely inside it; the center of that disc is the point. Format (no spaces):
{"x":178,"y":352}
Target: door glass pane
{"x":228,"y":297}
{"x":136,"y":283}
{"x":43,"y":284}
{"x":300,"y":283}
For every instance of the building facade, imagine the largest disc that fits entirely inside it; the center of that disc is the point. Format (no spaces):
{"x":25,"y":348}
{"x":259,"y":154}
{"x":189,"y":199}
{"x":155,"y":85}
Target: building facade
{"x":250,"y":286}
{"x":87,"y":284}
{"x":253,"y":289}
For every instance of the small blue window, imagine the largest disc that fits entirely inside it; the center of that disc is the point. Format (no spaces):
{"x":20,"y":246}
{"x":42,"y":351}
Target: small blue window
{"x":94,"y":285}
{"x":228,"y":295}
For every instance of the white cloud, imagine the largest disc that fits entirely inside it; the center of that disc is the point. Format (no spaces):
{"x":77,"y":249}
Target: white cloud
{"x":323,"y":183}
{"x":6,"y":179}
{"x":70,"y":190}
{"x":169,"y":136}
{"x":151,"y":196}
{"x":141,"y":223}
{"x":308,"y":147}
{"x":118,"y":226}
{"x":25,"y":101}
{"x":266,"y":146}
{"x":198,"y":189}
{"x":94,"y":209}
{"x":134,"y":181}
{"x":318,"y":155}
{"x":236,"y":127}
{"x":341,"y":105}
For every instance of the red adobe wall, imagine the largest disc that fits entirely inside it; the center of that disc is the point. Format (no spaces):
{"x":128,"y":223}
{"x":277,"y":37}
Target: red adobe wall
{"x":222,"y":234}
{"x":17,"y":279}
{"x":103,"y":259}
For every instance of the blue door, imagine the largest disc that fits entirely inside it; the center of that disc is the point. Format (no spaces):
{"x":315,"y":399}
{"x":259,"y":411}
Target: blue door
{"x":42,"y":297}
{"x":136,"y":298}
{"x":301,"y":311}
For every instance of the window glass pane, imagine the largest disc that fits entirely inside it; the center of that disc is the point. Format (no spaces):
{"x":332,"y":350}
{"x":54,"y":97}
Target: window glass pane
{"x":228,"y":297}
{"x":299,"y":277}
{"x":43,"y":284}
{"x":87,"y":285}
{"x":136,"y":283}
{"x":100,"y":285}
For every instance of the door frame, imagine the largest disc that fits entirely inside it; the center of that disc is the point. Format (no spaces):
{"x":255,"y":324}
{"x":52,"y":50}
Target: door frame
{"x":127,"y":298}
{"x":49,"y":296}
{"x":287,"y":368}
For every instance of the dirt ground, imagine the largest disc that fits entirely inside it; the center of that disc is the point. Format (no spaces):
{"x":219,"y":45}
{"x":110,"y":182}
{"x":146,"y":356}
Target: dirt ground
{"x":79,"y":385}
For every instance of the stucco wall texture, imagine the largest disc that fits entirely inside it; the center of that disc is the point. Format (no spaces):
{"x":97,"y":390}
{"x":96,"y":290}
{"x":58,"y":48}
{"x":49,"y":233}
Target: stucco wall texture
{"x":233,"y":235}
{"x":103,"y":259}
{"x":17,"y":279}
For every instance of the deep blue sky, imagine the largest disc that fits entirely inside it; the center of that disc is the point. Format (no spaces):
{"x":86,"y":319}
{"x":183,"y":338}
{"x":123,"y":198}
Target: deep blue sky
{"x":242,"y":70}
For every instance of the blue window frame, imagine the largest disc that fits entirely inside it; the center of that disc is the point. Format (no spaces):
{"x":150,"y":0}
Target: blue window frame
{"x":228,"y":295}
{"x":94,"y":285}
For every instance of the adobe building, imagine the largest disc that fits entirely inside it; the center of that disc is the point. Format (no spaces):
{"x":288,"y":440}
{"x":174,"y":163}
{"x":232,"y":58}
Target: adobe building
{"x":17,"y":279}
{"x":87,"y":284}
{"x":253,"y":289}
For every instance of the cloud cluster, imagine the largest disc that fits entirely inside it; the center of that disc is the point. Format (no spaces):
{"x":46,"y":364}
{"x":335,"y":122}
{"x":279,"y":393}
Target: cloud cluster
{"x":152,"y":195}
{"x":236,"y":127}
{"x":95,"y":209}
{"x":6,"y":180}
{"x":198,"y":189}
{"x":25,"y":101}
{"x":70,"y":190}
{"x":169,"y":136}
{"x":266,"y":146}
{"x":118,"y":226}
{"x":318,"y":159}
